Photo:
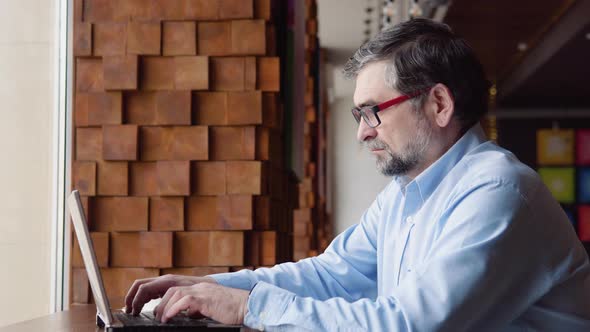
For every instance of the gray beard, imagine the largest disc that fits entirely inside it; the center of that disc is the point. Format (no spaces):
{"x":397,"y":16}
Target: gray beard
{"x":393,"y":164}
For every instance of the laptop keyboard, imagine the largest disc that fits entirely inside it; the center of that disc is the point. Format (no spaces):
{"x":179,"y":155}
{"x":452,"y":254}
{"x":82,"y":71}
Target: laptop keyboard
{"x":148,"y":319}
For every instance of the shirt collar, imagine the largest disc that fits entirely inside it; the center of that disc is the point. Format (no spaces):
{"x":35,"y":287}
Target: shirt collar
{"x":427,"y":181}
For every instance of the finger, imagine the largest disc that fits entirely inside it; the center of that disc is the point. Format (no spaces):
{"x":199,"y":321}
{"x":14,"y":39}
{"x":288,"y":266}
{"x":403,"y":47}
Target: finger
{"x":132,"y":291}
{"x":170,"y":297}
{"x":160,"y":307}
{"x":186,"y":302}
{"x":149,"y":291}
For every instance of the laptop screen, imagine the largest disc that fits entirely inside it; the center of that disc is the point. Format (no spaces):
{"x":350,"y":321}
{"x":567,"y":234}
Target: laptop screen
{"x":87,"y":249}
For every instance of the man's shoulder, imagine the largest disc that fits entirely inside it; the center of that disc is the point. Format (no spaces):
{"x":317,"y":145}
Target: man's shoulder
{"x":489,"y":163}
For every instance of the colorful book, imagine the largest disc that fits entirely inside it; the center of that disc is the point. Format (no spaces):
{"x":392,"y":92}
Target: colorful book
{"x":555,"y":147}
{"x":583,"y":184}
{"x":560,"y":182}
{"x":584,"y":222}
{"x":583,"y":147}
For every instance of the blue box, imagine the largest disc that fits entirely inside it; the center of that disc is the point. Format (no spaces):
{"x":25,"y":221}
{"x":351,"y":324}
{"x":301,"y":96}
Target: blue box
{"x":583,"y":184}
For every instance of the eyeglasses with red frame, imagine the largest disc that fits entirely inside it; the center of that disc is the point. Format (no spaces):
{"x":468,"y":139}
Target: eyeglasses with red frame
{"x":369,"y":113}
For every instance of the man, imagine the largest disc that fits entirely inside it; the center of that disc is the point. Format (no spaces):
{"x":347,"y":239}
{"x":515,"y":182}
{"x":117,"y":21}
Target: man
{"x":465,"y":237}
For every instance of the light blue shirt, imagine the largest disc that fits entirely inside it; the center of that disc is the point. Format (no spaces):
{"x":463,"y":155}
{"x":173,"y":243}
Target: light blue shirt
{"x":476,"y":242}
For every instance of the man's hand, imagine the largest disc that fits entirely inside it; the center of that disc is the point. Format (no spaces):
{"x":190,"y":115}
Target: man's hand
{"x":144,"y":290}
{"x":223,"y":304}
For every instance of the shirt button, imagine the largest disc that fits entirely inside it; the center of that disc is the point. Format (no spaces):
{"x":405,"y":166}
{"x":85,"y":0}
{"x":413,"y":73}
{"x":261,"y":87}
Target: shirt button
{"x":409,"y":219}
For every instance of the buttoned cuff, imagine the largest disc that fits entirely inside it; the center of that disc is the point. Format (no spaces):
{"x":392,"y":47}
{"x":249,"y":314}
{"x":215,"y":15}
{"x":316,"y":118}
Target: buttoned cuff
{"x":240,"y":279}
{"x":266,"y":305}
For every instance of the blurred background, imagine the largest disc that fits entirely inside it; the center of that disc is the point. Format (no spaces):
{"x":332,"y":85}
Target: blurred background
{"x":216,"y":135}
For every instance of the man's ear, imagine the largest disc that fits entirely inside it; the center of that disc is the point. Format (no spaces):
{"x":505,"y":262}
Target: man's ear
{"x":442,"y":104}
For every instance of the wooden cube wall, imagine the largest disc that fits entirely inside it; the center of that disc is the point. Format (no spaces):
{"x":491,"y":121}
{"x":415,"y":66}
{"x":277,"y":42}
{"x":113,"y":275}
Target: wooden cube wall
{"x":178,"y":139}
{"x":311,"y":227}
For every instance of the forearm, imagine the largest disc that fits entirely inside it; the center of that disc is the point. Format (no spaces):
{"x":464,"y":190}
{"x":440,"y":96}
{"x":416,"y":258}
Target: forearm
{"x":328,"y":275}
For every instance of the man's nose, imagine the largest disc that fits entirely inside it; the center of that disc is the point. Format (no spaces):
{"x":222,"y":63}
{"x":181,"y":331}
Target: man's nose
{"x":365,"y":132}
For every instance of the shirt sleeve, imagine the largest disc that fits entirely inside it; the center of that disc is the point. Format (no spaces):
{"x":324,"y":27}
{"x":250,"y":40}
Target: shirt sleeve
{"x":347,"y":269}
{"x":483,"y":272}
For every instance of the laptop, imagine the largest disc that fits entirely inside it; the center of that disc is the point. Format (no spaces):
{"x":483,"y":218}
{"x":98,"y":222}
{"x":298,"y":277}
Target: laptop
{"x":117,"y":320}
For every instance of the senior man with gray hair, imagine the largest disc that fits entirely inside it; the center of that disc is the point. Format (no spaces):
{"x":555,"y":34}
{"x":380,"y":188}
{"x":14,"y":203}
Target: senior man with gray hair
{"x":464,"y":238}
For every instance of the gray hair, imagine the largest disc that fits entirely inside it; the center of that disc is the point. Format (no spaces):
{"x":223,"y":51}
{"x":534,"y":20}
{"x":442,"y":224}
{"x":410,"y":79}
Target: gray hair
{"x":421,"y":53}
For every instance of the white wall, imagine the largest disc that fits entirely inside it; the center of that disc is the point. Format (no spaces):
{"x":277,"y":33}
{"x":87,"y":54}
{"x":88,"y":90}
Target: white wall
{"x":26,"y":113}
{"x":355,"y":180}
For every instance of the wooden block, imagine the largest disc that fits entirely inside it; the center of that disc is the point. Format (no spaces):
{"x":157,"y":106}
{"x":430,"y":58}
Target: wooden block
{"x":89,"y":76}
{"x":233,"y":143}
{"x":263,"y":9}
{"x":166,"y":214}
{"x":202,"y":10}
{"x":250,"y":73}
{"x":252,"y":248}
{"x":195,"y":271}
{"x":179,"y":38}
{"x":78,"y":11}
{"x":119,"y":214}
{"x":301,"y":243}
{"x":173,"y":178}
{"x":235,"y":212}
{"x":226,"y":248}
{"x":215,"y":38}
{"x":248,"y":37}
{"x":232,"y":73}
{"x":302,"y":216}
{"x":104,"y":11}
{"x":140,"y":10}
{"x":210,"y":108}
{"x":140,"y":107}
{"x":311,"y":26}
{"x":118,"y":280}
{"x":268,"y":74}
{"x":271,"y":113}
{"x":191,"y":72}
{"x":155,"y":143}
{"x":202,"y":213}
{"x":86,"y":206}
{"x":244,"y":108}
{"x":189,"y":143}
{"x":271,"y":40}
{"x":141,"y":249}
{"x":81,"y":110}
{"x":88,"y":144}
{"x":170,"y":9}
{"x":264,"y":213}
{"x":98,"y":108}
{"x":230,"y":9}
{"x":157,"y":73}
{"x":191,"y":249}
{"x":301,"y":229}
{"x":84,"y":177}
{"x":208,"y":178}
{"x":80,"y":286}
{"x":173,"y":108}
{"x":82,"y":39}
{"x":120,"y":72}
{"x":143,"y":179}
{"x":268,"y":248}
{"x":263,"y":143}
{"x":112,"y":178}
{"x":100,"y":243}
{"x":119,"y":142}
{"x":143,"y":38}
{"x":109,"y":39}
{"x":244,"y":177}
